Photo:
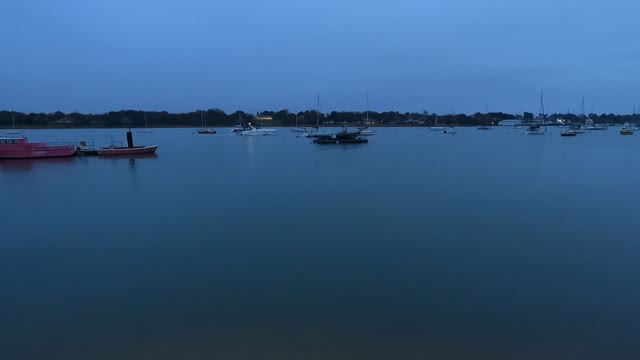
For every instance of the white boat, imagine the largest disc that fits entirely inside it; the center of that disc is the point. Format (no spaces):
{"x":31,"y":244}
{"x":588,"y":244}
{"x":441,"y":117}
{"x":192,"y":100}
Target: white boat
{"x":589,"y":125}
{"x":450,"y":131}
{"x":238,"y":129}
{"x":299,"y":129}
{"x":536,"y":129}
{"x":366,"y":132}
{"x":13,"y":121}
{"x":259,"y":131}
{"x":435,"y":126}
{"x":628,"y":126}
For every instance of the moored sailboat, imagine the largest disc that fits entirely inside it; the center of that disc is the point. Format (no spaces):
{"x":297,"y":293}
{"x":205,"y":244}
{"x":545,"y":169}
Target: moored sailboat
{"x":203,"y":120}
{"x":13,"y":130}
{"x":145,"y":130}
{"x":536,"y":129}
{"x":316,"y":133}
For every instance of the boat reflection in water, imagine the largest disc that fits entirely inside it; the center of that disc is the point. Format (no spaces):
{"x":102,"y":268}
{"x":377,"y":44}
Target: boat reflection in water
{"x":129,"y":157}
{"x":29,"y":164}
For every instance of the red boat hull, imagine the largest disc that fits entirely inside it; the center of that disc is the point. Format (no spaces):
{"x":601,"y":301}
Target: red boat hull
{"x":19,"y":148}
{"x":123,"y":151}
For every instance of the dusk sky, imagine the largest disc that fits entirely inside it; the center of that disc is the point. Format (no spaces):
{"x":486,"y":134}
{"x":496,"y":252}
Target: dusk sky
{"x":409,"y":55}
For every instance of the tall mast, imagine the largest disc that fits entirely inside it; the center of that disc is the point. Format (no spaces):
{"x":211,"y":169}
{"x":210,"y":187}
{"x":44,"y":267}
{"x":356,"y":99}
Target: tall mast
{"x":367,"y":108}
{"x":318,"y":113}
{"x":486,"y":116}
{"x":542,"y":111}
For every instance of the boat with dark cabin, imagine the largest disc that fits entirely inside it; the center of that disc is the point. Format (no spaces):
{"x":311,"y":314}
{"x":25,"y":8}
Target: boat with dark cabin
{"x":127,"y":150}
{"x":341,"y":137}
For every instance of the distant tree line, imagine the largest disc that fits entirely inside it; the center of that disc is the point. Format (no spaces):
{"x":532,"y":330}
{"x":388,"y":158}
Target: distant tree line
{"x":217,"y":117}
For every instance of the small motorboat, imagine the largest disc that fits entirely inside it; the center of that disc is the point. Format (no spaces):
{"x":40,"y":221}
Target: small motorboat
{"x":626,"y":132}
{"x":450,"y":131}
{"x":568,"y":133}
{"x":206,"y":131}
{"x":300,"y":130}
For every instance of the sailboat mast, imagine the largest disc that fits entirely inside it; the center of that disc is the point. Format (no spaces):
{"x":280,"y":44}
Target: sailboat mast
{"x":202,"y":118}
{"x":367,"y":108}
{"x":318,"y":113}
{"x":486,"y":116}
{"x":542,"y":111}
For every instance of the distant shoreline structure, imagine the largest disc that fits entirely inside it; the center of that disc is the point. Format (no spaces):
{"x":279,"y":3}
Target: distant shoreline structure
{"x":284,"y":118}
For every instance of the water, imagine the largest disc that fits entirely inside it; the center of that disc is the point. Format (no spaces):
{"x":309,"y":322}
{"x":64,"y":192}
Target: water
{"x":483,"y":245}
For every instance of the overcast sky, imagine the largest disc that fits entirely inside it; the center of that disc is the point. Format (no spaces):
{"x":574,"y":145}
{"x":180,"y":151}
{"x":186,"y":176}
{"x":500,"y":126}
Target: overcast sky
{"x":409,"y":55}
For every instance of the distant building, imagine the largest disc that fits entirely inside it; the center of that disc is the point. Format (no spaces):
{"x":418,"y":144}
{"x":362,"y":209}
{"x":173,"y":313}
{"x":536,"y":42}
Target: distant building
{"x":510,"y":122}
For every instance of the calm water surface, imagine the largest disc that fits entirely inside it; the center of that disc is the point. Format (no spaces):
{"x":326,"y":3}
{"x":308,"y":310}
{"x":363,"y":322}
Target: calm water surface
{"x":483,"y":245}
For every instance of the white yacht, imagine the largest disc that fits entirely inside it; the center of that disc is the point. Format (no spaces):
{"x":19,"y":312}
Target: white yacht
{"x":259,"y":131}
{"x":589,"y":125}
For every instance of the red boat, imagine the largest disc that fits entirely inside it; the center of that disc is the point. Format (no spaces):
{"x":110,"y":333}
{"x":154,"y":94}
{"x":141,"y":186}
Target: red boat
{"x":20,"y":148}
{"x":120,"y":151}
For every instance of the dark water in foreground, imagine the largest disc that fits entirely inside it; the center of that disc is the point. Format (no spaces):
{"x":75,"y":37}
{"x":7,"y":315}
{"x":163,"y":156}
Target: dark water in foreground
{"x":483,"y":245}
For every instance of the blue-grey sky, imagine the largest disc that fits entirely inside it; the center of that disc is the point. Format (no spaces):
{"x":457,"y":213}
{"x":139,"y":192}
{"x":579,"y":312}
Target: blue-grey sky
{"x":409,"y":55}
